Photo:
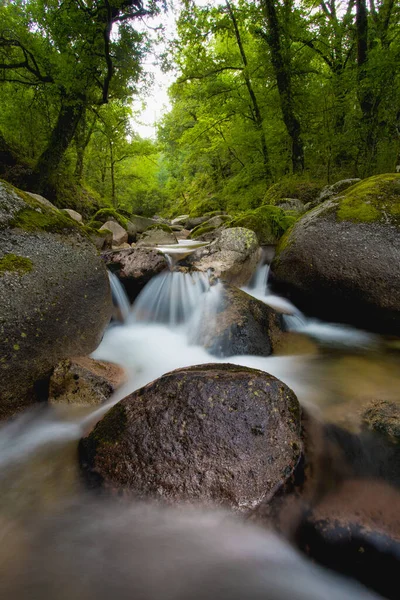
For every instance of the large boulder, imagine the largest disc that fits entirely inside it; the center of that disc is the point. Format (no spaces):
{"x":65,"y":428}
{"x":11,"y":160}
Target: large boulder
{"x":239,"y":324}
{"x":341,"y":261}
{"x":269,"y":223}
{"x":212,"y":433}
{"x":333,"y":190}
{"x":54,"y":294}
{"x":233,"y":255}
{"x":119,"y":234}
{"x":135,"y":267}
{"x":157,"y":235}
{"x":73,"y":214}
{"x":138,"y":224}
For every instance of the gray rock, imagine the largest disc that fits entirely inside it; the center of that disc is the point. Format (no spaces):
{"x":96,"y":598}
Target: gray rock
{"x":223,"y":434}
{"x":135,"y":267}
{"x":54,"y":295}
{"x":139,"y":224}
{"x":193,"y":222}
{"x":120,"y":236}
{"x":341,"y":261}
{"x":73,"y":214}
{"x":156,"y":237}
{"x":180,"y":220}
{"x":233,"y":255}
{"x":241,"y":325}
{"x":291,"y":204}
{"x":333,"y":190}
{"x":84,"y":381}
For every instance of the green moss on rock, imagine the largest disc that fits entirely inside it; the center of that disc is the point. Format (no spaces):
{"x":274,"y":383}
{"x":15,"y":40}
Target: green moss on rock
{"x":373,"y":199}
{"x":269,"y":223}
{"x":201,"y":230}
{"x":31,"y":219}
{"x":293,"y":187}
{"x":105,"y":214}
{"x":13,"y":263}
{"x":162,"y":226}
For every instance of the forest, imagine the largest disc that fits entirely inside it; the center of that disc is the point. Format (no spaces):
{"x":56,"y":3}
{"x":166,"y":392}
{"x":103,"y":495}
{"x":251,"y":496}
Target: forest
{"x":271,"y":94}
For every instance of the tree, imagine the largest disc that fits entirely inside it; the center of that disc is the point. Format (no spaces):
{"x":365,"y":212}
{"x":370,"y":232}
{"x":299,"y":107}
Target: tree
{"x":87,"y":52}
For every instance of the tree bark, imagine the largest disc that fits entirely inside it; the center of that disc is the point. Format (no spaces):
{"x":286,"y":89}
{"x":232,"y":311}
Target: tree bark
{"x":368,"y":101}
{"x":284,"y":84}
{"x":71,"y":111}
{"x":258,"y":120}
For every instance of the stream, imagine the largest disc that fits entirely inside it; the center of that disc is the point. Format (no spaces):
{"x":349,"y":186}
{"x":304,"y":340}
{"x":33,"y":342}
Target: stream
{"x":54,"y":535}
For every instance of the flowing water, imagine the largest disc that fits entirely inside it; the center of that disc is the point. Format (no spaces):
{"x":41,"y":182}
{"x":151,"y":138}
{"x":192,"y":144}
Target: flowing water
{"x":337,"y":371}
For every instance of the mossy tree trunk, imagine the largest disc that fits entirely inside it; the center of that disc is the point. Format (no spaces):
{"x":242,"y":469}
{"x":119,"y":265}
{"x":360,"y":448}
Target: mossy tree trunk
{"x":70,"y":113}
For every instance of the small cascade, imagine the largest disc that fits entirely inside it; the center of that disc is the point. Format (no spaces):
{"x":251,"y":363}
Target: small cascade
{"x":170,"y":298}
{"x":119,"y":297}
{"x":176,"y":252}
{"x":328,"y":334}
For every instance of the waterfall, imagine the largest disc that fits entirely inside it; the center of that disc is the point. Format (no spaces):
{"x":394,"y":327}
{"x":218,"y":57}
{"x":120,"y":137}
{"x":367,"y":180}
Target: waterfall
{"x":119,"y":297}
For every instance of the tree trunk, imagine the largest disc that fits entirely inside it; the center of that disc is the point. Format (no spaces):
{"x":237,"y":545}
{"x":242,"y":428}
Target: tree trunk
{"x":82,"y":138}
{"x":256,"y":109}
{"x":284,"y":84}
{"x":63,"y":132}
{"x":367,"y":99}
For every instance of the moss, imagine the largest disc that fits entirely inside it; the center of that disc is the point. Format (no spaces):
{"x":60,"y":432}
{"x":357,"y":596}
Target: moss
{"x":12,"y":263}
{"x":268,"y":222}
{"x":201,"y":230}
{"x":105,"y":214}
{"x":94,"y":224}
{"x":162,"y":226}
{"x":293,"y":187}
{"x":31,"y":219}
{"x":205,"y":206}
{"x":373,"y":199}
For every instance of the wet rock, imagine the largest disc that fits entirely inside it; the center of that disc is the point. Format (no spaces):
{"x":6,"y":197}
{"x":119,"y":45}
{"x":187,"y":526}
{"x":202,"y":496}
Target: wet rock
{"x":156,"y":236}
{"x":54,"y":295}
{"x":135,"y":267}
{"x":356,"y":530}
{"x":138,"y":224}
{"x":73,"y":214}
{"x":220,"y":433}
{"x":341,"y":261}
{"x":383,"y":416}
{"x":240,"y":325}
{"x":233,"y":255}
{"x":180,"y":220}
{"x":193,"y":222}
{"x":120,"y":236}
{"x":84,"y":381}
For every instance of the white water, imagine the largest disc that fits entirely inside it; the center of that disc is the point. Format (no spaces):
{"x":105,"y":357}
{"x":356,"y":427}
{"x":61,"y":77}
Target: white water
{"x":116,"y":547}
{"x":120,"y":298}
{"x":331,"y":334}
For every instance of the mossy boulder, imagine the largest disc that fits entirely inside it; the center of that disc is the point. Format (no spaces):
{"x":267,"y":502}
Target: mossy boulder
{"x":269,"y":223}
{"x":54,"y":294}
{"x":157,"y":235}
{"x":341,"y":261}
{"x":106,"y":214}
{"x":217,"y":433}
{"x":233,"y":255}
{"x":293,"y":187}
{"x":239,"y":324}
